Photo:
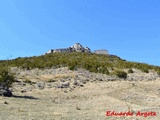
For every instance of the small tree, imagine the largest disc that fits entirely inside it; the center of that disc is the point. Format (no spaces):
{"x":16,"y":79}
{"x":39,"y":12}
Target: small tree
{"x":130,"y":71}
{"x":6,"y":80}
{"x":120,"y":74}
{"x":145,"y":70}
{"x":103,"y":70}
{"x":158,"y":72}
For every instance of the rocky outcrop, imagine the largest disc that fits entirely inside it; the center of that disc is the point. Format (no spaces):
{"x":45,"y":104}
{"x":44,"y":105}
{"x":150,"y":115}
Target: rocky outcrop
{"x":75,"y":48}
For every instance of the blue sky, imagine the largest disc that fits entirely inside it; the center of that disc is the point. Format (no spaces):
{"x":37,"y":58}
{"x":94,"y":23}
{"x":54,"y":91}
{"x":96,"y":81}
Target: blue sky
{"x":127,"y":28}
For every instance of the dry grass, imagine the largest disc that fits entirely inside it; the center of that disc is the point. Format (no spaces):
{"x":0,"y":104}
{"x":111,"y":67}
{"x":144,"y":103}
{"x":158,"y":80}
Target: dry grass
{"x":84,"y":103}
{"x":57,"y":76}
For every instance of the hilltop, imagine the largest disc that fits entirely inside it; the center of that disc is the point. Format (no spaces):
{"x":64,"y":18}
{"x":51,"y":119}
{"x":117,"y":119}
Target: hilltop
{"x":75,"y":57}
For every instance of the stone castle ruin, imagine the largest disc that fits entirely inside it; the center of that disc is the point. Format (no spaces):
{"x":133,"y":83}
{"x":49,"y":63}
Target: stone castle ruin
{"x":77,"y":48}
{"x":102,"y":51}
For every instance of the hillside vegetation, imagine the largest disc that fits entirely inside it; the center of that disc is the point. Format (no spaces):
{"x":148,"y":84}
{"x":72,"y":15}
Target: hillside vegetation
{"x":105,"y":64}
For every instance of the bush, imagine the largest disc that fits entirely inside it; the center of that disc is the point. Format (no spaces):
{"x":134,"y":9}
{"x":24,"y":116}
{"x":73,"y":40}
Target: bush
{"x":93,"y":69}
{"x":130,"y":71}
{"x":145,"y":70}
{"x":158,"y":72}
{"x":103,"y":70}
{"x":72,"y":66}
{"x":28,"y":81}
{"x":6,"y":79}
{"x":120,"y":74}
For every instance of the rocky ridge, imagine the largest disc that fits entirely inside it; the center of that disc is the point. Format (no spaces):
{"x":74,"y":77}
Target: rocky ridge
{"x":67,"y":80}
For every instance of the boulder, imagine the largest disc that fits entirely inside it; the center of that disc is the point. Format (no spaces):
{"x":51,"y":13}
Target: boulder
{"x":6,"y":93}
{"x":40,"y":85}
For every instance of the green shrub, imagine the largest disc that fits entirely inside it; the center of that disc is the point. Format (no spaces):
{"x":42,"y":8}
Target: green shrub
{"x":158,"y":72}
{"x":120,"y":74}
{"x":6,"y":79}
{"x":103,"y":70}
{"x":145,"y":70}
{"x":28,"y":81}
{"x":51,"y":80}
{"x":130,"y":71}
{"x":93,"y":69}
{"x":71,"y":67}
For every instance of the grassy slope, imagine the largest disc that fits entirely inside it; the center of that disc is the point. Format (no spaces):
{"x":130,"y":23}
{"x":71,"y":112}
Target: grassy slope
{"x":91,"y":62}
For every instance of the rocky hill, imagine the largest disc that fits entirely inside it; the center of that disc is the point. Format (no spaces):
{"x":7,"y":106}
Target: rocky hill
{"x":105,"y":66}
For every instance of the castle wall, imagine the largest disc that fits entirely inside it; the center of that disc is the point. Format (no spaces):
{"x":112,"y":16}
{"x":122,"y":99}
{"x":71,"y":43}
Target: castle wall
{"x":76,"y":47}
{"x":101,"y":51}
